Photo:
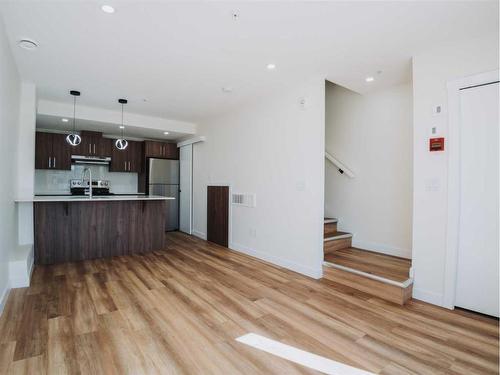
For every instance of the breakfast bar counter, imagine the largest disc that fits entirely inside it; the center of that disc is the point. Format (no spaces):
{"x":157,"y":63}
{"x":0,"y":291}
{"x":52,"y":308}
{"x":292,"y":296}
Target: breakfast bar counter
{"x":71,"y":228}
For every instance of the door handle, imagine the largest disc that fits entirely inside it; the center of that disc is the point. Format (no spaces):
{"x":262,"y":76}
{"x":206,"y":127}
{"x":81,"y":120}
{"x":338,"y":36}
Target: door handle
{"x":94,"y":148}
{"x":124,"y":165}
{"x":90,"y":148}
{"x":54,"y":163}
{"x":49,"y":161}
{"x":129,"y":166}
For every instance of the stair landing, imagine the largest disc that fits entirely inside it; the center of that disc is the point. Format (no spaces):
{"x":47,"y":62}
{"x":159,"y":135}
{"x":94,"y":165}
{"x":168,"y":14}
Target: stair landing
{"x":386,"y":266}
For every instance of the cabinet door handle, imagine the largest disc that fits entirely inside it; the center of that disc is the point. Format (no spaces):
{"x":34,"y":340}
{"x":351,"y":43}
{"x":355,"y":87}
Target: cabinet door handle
{"x":94,"y":148}
{"x":54,"y":162}
{"x":49,"y":161}
{"x":124,"y":165}
{"x":90,"y":148}
{"x":129,"y":166}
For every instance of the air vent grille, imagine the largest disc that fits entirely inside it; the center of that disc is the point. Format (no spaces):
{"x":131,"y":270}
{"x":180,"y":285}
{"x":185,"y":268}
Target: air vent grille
{"x":243,"y":199}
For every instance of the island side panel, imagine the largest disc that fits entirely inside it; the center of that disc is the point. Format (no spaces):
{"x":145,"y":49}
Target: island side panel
{"x":73,"y":231}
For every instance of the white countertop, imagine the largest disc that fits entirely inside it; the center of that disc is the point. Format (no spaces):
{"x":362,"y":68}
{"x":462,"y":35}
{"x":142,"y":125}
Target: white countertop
{"x":80,"y":198}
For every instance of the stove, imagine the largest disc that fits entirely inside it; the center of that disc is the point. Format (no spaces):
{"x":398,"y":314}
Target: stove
{"x":81,"y":187}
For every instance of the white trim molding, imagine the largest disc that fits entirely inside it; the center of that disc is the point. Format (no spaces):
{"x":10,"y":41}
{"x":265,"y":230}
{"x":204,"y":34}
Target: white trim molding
{"x":427,"y":296}
{"x":452,"y":235}
{"x":4,"y":297}
{"x":190,"y":141}
{"x":371,"y":276}
{"x":277,"y":261}
{"x":199,"y":234}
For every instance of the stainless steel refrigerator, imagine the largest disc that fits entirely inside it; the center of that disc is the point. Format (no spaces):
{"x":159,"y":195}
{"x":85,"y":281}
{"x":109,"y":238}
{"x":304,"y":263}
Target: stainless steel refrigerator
{"x":163,"y":179}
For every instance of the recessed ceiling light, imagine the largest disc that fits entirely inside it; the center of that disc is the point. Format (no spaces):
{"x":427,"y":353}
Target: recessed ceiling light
{"x":27,"y":44}
{"x":271,"y":66}
{"x":369,"y":79}
{"x":108,"y":9}
{"x":166,"y":133}
{"x":122,"y":127}
{"x":64,"y":120}
{"x":227,"y":89}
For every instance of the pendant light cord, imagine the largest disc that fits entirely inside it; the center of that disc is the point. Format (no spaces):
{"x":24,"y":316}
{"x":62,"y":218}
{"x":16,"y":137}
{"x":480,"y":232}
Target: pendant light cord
{"x":122,"y":120}
{"x":74,"y":114}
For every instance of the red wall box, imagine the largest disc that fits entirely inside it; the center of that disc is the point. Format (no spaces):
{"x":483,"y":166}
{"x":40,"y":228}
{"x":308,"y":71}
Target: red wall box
{"x":436,"y":144}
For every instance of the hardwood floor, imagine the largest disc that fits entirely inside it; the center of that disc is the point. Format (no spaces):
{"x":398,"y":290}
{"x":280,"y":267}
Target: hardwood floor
{"x":179,"y":311}
{"x":386,"y":266}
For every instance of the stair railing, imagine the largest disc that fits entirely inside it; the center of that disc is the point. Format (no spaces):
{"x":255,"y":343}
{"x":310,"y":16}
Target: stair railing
{"x":341,"y":167}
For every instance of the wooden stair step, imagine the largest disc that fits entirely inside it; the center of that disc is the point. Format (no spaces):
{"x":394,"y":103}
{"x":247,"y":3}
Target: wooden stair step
{"x":329,"y":227}
{"x":336,"y":241}
{"x":389,"y":290}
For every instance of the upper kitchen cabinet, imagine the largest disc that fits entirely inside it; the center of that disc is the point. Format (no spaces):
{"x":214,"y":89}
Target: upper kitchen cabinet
{"x":52,"y":151}
{"x":128,"y":160}
{"x":93,"y":144}
{"x":161,"y":150}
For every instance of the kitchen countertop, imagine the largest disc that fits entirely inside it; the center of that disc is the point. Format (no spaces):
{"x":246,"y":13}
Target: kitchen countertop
{"x":105,"y":198}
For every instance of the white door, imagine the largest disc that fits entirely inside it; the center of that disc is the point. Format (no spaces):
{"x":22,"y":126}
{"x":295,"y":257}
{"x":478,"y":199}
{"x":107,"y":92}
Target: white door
{"x":186,"y":184}
{"x":477,"y":284}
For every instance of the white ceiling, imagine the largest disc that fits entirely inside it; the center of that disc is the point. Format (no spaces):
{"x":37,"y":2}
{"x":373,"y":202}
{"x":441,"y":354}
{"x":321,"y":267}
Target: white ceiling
{"x":178,"y":55}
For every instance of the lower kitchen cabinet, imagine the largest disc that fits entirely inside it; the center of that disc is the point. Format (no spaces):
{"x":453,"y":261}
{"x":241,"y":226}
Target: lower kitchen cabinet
{"x":73,"y":231}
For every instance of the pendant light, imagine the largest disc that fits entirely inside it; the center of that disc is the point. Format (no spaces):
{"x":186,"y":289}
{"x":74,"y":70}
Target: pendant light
{"x":73,"y":138}
{"x":121,"y":144}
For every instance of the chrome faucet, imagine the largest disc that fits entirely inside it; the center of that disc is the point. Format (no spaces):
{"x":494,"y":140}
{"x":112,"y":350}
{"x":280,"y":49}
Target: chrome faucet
{"x":90,"y":180}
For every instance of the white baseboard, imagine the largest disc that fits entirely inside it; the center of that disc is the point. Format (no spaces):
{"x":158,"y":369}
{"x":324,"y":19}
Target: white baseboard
{"x":4,"y":296}
{"x":198,"y":234}
{"x":307,"y":271}
{"x":429,"y":297}
{"x":381,"y":248}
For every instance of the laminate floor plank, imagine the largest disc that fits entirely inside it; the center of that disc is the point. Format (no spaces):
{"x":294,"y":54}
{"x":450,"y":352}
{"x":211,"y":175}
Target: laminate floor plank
{"x":179,"y":311}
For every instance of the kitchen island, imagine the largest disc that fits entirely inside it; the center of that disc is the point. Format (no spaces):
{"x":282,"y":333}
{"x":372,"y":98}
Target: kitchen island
{"x":74,"y":228}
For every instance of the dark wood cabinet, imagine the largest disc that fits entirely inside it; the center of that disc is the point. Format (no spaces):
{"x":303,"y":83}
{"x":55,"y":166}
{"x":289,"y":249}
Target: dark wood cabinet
{"x":74,"y":231}
{"x":162,"y":150}
{"x":93,"y":144}
{"x":128,"y":160}
{"x":52,"y":151}
{"x":218,"y":214}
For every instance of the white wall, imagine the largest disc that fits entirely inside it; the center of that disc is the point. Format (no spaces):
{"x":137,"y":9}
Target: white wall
{"x":273,"y":148}
{"x":26,"y":162}
{"x":431,"y":72}
{"x":372,"y":135}
{"x":9,"y":115}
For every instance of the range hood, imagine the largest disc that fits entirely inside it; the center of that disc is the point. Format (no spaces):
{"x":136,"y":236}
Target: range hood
{"x":81,"y":159}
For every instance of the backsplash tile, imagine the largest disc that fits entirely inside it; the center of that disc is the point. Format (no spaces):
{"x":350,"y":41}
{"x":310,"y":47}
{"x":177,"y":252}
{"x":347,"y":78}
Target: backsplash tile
{"x":57,"y":182}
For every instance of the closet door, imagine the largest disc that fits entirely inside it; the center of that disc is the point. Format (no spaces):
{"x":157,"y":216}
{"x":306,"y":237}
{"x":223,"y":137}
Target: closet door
{"x":477,"y":284}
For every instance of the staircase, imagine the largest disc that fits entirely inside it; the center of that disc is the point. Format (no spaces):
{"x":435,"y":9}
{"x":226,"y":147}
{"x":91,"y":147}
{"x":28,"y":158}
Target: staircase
{"x":333,"y":239}
{"x":372,"y":273}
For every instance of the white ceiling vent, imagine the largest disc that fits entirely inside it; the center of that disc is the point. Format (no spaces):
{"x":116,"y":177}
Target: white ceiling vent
{"x":244,"y":199}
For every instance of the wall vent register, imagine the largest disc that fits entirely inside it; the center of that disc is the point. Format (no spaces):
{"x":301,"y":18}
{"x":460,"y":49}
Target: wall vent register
{"x":243,"y":199}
